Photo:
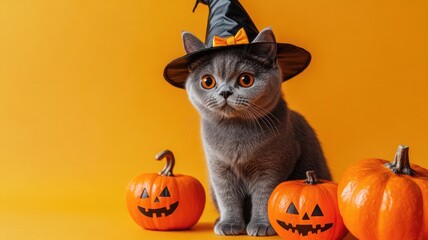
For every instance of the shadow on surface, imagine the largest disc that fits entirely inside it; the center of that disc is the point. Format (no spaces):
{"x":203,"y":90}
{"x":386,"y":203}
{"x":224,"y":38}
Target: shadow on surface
{"x":203,"y":227}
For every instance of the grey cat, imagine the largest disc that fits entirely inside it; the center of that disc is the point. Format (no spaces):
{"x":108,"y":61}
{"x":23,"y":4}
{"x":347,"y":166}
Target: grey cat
{"x":252,"y":141}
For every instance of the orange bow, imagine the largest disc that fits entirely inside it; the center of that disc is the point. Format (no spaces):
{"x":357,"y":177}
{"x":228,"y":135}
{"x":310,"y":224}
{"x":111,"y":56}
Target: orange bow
{"x":239,"y":38}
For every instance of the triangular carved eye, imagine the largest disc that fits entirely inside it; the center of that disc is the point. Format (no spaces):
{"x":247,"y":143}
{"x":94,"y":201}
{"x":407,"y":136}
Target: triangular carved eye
{"x":165,"y":193}
{"x":292,"y":209}
{"x":317,"y":212}
{"x":144,"y":194}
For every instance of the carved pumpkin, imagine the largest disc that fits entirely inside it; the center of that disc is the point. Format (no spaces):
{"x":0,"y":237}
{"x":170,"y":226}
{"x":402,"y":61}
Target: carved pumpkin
{"x":165,"y":201}
{"x":306,"y":209}
{"x":385,"y":200}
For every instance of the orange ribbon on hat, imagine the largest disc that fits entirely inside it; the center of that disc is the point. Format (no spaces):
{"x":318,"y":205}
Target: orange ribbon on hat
{"x":239,"y":38}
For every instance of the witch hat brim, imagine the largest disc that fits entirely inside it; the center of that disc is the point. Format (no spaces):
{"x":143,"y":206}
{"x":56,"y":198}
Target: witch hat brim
{"x":226,"y":18}
{"x":292,"y":60}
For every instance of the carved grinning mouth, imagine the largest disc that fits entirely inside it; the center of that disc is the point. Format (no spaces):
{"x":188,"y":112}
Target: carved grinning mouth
{"x":304,"y":229}
{"x":158,"y":211}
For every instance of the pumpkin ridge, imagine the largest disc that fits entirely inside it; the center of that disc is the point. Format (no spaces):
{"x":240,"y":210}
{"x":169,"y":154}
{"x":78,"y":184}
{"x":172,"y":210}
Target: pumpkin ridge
{"x":330,"y":190}
{"x":423,"y":184}
{"x":363,"y":189}
{"x":399,"y":228}
{"x":332,"y":195}
{"x":378,"y":208}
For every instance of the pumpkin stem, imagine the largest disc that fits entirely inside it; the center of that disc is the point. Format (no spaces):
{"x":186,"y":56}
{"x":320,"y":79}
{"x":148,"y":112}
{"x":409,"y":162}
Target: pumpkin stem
{"x":311,"y":178}
{"x":170,"y":162}
{"x":401,"y":163}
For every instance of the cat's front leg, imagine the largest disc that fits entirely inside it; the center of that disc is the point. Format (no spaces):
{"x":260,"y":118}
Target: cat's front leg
{"x":260,"y":192}
{"x":229,"y":197}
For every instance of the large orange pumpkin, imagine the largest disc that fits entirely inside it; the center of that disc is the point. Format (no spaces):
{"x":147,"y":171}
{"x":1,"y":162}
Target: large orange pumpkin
{"x":165,"y":201}
{"x":385,"y":200}
{"x":306,"y":209}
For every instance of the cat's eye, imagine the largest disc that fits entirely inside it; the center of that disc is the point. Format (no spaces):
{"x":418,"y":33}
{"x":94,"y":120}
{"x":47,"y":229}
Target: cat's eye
{"x":246,"y":80}
{"x":208,"y":82}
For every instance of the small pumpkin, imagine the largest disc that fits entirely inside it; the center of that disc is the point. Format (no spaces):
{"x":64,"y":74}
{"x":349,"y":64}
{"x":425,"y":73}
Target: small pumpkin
{"x":306,"y":209}
{"x":380,"y":200}
{"x":165,"y":201}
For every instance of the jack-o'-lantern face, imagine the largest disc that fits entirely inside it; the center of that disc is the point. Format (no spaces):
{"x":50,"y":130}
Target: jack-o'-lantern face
{"x":164,"y":201}
{"x":306,"y":209}
{"x":303,"y":228}
{"x":160,"y":211}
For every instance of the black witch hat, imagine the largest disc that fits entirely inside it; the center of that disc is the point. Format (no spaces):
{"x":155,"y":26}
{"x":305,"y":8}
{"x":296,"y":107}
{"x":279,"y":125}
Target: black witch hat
{"x":230,"y":26}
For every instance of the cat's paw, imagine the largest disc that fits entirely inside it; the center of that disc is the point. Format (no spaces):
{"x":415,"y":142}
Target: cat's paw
{"x":229,"y":228}
{"x":260,"y":229}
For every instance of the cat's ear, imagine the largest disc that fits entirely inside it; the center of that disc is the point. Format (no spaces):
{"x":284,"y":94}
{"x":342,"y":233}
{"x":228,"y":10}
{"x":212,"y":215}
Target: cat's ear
{"x":191,"y":43}
{"x":266,"y":35}
{"x":267,"y":52}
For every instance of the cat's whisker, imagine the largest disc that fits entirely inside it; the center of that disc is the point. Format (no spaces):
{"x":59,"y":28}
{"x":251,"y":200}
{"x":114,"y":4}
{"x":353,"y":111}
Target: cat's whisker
{"x":257,"y":115}
{"x":253,"y":119}
{"x":267,"y":116}
{"x":265,"y":119}
{"x":265,"y":111}
{"x":212,"y":102}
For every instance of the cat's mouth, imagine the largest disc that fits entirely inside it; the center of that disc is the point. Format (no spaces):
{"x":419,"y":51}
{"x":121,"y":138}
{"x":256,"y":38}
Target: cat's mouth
{"x":225,"y":107}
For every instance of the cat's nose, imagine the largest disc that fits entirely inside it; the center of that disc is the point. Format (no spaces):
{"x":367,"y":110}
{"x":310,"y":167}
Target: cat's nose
{"x":225,"y":94}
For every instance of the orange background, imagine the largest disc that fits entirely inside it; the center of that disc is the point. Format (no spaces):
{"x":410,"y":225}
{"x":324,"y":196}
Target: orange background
{"x":84,"y":107}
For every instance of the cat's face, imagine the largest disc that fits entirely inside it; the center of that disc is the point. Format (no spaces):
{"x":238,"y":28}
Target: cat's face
{"x":236,"y":83}
{"x":229,"y":85}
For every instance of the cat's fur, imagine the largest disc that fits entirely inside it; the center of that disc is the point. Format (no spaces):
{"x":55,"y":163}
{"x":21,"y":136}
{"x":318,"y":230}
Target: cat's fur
{"x":252,"y":141}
